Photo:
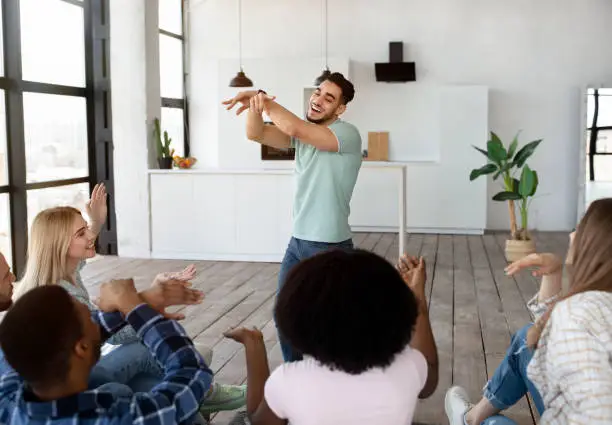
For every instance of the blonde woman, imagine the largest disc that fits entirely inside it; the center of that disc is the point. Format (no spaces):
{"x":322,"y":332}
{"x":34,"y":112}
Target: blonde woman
{"x":60,"y":242}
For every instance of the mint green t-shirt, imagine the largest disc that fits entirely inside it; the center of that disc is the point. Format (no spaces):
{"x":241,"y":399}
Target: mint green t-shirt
{"x":324,"y":186}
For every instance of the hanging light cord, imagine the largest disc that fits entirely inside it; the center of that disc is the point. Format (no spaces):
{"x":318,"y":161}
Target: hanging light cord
{"x":326,"y":43}
{"x":240,"y":33}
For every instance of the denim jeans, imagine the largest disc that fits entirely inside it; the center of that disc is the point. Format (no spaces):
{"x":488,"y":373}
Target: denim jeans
{"x":510,"y":382}
{"x":128,"y":369}
{"x":126,"y":364}
{"x":297,"y":251}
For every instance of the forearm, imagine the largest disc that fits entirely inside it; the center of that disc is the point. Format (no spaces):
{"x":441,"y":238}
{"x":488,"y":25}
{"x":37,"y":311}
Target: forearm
{"x":550,"y":287}
{"x":96,"y":227}
{"x":423,"y":341}
{"x":285,"y":120}
{"x":255,"y":126}
{"x":258,"y":372}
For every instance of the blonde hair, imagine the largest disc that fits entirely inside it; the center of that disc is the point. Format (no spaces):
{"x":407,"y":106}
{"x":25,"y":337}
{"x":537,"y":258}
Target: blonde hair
{"x":591,"y":259}
{"x":49,"y":242}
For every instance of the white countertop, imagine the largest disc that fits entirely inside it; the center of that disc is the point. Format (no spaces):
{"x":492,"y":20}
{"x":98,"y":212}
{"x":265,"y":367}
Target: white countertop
{"x":263,"y":170}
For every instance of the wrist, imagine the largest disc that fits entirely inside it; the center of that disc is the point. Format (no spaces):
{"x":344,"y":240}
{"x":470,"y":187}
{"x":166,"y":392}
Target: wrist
{"x":129,"y":303}
{"x":253,"y":341}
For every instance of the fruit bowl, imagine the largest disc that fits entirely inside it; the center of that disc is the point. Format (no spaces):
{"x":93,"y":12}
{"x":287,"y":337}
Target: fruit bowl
{"x":184,"y":163}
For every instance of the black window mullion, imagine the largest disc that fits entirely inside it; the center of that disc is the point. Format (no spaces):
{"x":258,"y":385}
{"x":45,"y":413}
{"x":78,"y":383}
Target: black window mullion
{"x":180,"y":103}
{"x":15,"y":133}
{"x":594,"y":134}
{"x":99,"y":119}
{"x":171,"y":34}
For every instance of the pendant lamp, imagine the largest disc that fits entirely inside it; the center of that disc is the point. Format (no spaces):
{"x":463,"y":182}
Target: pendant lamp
{"x":326,"y":72}
{"x":240,"y":80}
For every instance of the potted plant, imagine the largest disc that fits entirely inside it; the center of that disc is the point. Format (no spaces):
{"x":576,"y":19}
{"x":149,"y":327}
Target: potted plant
{"x":164,"y":154}
{"x":505,"y":163}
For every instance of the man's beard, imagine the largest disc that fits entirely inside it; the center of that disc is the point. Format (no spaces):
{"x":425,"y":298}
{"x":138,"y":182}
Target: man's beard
{"x":320,"y":120}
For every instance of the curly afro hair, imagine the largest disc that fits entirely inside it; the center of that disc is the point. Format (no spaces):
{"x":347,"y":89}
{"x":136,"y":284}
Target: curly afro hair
{"x":350,"y":310}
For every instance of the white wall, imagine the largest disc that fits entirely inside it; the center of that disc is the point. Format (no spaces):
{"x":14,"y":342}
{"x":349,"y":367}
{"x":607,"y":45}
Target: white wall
{"x":534,"y":57}
{"x":134,"y":96}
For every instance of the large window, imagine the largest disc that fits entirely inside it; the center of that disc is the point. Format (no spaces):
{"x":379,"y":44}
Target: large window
{"x":55,"y":134}
{"x":172,"y":74}
{"x":599,"y":134}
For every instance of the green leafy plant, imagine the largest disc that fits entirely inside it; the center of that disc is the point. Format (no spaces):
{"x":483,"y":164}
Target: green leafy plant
{"x":163,"y":146}
{"x":505,"y":163}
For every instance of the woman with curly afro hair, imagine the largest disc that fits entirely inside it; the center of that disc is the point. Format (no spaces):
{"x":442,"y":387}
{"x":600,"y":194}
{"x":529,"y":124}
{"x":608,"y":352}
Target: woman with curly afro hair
{"x":364,"y":331}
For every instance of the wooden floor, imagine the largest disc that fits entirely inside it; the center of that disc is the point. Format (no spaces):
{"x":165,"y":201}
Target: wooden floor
{"x":474,"y":307}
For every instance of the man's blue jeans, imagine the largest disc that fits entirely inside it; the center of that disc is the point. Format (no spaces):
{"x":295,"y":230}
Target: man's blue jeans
{"x":127,"y":364}
{"x":297,"y":251}
{"x":510,"y":382}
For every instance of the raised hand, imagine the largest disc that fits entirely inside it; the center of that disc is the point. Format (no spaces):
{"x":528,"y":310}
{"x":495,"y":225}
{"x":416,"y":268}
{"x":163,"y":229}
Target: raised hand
{"x":544,"y":265}
{"x":169,"y":293}
{"x":258,"y":102}
{"x":96,"y":208}
{"x":244,"y":335}
{"x":413,"y":272}
{"x":244,"y":98}
{"x":185,"y":275}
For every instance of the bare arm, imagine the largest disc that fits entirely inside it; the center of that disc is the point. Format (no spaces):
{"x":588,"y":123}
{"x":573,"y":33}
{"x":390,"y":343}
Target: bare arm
{"x":268,"y":135}
{"x":423,"y":341}
{"x":414,"y":274}
{"x":257,"y":131}
{"x":258,"y":372}
{"x":319,"y":136}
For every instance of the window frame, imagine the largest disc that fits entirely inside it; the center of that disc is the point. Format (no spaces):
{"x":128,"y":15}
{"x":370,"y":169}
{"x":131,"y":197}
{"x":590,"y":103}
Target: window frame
{"x":99,"y":127}
{"x":178,"y":103}
{"x":595,"y":129}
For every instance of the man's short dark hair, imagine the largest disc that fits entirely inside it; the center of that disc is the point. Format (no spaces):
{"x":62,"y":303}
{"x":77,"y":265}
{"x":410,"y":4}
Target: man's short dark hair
{"x":349,"y":309}
{"x":348,"y":90}
{"x":39,"y":333}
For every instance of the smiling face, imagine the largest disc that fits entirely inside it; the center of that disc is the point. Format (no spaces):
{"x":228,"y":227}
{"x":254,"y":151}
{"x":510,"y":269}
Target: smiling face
{"x":82,"y":243}
{"x":325,"y":104}
{"x":6,"y":284}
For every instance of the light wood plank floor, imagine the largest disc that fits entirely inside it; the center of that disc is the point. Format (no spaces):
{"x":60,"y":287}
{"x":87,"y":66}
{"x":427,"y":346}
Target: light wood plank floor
{"x":474,"y":307}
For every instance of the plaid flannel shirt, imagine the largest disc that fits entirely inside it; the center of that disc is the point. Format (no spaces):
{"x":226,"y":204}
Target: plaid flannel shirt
{"x":175,"y":400}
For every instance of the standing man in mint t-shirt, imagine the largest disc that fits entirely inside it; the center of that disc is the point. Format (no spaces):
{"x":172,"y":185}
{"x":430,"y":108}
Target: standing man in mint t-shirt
{"x":327,"y":162}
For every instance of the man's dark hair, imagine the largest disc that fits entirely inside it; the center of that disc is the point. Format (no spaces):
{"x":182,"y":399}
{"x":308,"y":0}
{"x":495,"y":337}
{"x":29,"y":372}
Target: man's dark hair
{"x":350,"y":310}
{"x":39,"y":333}
{"x":348,"y":90}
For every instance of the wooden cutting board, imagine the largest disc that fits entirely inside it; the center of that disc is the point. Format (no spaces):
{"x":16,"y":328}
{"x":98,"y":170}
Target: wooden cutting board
{"x":378,"y":146}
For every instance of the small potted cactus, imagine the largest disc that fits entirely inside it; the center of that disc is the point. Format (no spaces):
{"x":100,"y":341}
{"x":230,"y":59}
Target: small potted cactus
{"x":164,"y":153}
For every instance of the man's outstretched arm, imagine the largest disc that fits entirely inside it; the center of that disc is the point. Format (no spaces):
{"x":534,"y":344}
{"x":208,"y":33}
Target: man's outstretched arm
{"x":256,"y":130}
{"x":319,"y":136}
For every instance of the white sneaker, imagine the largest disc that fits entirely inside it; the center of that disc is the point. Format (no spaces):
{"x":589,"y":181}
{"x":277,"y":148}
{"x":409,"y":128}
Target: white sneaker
{"x":456,"y":404}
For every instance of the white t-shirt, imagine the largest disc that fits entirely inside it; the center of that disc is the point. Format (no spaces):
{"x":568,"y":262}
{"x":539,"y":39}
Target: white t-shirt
{"x":308,"y":393}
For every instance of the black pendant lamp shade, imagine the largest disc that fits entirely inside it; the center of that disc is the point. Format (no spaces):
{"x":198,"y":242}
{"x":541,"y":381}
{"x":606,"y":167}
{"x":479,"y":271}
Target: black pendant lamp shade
{"x":241,"y":80}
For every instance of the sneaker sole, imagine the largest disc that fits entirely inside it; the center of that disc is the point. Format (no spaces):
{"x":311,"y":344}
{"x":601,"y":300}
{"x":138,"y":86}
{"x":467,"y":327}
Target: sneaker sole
{"x":226,"y":405}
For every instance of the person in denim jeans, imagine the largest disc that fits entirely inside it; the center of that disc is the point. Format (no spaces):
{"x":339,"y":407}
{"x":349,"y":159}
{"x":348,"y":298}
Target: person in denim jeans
{"x":297,"y":251}
{"x":510,"y":382}
{"x":327,"y":162}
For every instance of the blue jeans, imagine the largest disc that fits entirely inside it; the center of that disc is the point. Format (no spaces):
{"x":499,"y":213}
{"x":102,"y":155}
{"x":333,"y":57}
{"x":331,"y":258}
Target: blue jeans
{"x":510,"y":382}
{"x":128,"y":369}
{"x":297,"y":251}
{"x":127,"y":364}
